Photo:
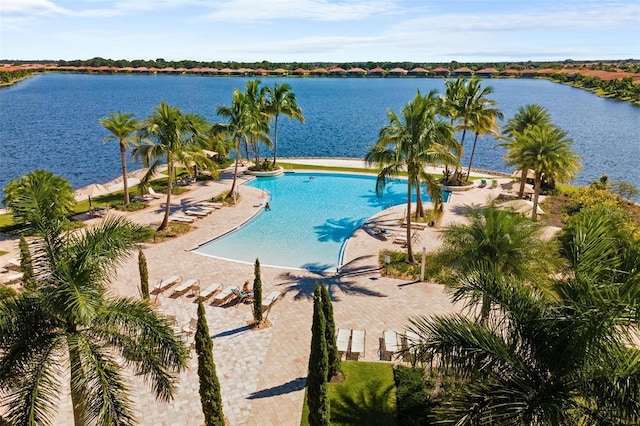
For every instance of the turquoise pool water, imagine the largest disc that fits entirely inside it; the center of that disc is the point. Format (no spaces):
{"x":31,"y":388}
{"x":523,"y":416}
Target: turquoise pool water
{"x":311,"y":217}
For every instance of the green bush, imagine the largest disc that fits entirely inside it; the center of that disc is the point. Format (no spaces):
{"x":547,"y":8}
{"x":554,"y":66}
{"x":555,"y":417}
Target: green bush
{"x":413,"y":400}
{"x":132,"y":207}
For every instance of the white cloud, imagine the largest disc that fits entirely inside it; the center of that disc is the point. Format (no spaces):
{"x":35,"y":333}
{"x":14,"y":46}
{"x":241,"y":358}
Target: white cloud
{"x":28,"y":7}
{"x":320,"y":10}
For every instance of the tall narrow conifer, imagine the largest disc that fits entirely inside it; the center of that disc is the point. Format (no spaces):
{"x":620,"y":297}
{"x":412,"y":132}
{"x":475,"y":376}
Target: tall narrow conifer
{"x":330,"y":334}
{"x":257,"y":294}
{"x":144,"y":274}
{"x":210,"y":396}
{"x":317,"y":398}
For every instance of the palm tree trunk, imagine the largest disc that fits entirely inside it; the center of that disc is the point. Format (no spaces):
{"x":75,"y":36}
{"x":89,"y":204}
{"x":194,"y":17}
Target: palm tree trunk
{"x":78,"y":399}
{"x":275,"y":140}
{"x":419,"y":206}
{"x":123,"y":160}
{"x":409,"y":249}
{"x":167,"y":207}
{"x":235,"y":176}
{"x":473,"y":151}
{"x":536,"y":194}
{"x":523,"y":180}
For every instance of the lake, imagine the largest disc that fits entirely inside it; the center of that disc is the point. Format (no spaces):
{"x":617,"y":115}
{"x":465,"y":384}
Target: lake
{"x":50,"y":121}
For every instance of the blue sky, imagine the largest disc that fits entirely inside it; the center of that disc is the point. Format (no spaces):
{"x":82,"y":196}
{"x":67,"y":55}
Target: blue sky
{"x":321,"y":30}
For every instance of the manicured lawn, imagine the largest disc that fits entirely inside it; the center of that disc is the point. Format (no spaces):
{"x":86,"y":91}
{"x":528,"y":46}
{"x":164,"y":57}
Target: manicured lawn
{"x":367,"y":396}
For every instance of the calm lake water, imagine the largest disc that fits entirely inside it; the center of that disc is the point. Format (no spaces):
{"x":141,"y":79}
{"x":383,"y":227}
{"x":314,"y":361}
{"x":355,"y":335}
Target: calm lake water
{"x":50,"y":121}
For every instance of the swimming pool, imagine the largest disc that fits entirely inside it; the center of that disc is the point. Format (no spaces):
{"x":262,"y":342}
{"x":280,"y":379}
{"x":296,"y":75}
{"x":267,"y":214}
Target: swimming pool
{"x":312,"y":215}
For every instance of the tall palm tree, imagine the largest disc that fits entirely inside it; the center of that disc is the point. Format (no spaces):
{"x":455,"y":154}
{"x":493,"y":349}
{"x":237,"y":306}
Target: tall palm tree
{"x":256,"y":119}
{"x":281,"y":100}
{"x":235,"y":129}
{"x":547,"y":151}
{"x":68,"y":323}
{"x":123,"y":129}
{"x":175,"y":136}
{"x":408,"y":143}
{"x":560,"y":360}
{"x":496,"y":243}
{"x":527,"y":117}
{"x":484,"y":122}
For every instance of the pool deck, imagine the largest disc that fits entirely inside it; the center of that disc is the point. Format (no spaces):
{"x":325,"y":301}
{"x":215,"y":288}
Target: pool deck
{"x":262,"y":373}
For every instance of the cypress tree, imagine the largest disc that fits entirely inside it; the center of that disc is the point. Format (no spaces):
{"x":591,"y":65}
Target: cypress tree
{"x":317,"y":398}
{"x":257,"y":294}
{"x":210,"y":396}
{"x":330,"y":334}
{"x":26,"y":264}
{"x":144,"y":274}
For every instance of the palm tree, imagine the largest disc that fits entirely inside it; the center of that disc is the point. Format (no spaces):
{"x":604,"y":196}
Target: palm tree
{"x":175,"y":137}
{"x":122,"y":128}
{"x":495,"y":243}
{"x":546,"y":150}
{"x":560,"y":360}
{"x":234,"y":129}
{"x":40,"y":200}
{"x":408,"y":143}
{"x":256,"y":118}
{"x":483,"y":123}
{"x":68,"y":323}
{"x":527,"y":117}
{"x":281,"y":100}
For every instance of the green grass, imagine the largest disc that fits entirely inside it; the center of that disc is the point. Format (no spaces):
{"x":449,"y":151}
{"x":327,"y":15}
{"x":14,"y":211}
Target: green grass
{"x":367,"y":396}
{"x":2,"y":252}
{"x":294,"y":166}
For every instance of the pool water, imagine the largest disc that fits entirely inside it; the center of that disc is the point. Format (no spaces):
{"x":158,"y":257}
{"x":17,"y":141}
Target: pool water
{"x":311,"y":216}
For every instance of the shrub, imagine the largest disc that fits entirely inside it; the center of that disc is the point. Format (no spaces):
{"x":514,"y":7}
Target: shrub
{"x":413,"y":399}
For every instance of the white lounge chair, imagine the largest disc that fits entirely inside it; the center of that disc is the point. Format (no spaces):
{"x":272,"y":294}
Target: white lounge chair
{"x":400,"y":239}
{"x":197,"y":213}
{"x":190,"y":327}
{"x":11,"y":278}
{"x":342,"y":341}
{"x":13,"y":265}
{"x":271,"y":299}
{"x":224,"y":296}
{"x":154,"y":194}
{"x":185,"y":286}
{"x":167,"y":282}
{"x":182,"y":218}
{"x":210,"y":291}
{"x":211,"y":204}
{"x":357,"y":343}
{"x":203,"y":208}
{"x":391,"y":345}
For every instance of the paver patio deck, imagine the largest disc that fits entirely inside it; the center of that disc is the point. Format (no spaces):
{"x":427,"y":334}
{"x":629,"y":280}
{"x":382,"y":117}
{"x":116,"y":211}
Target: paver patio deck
{"x":263,"y":373}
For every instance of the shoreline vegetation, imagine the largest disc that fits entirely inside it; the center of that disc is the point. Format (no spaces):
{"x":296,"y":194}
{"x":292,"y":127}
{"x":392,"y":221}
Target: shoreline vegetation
{"x":611,"y":79}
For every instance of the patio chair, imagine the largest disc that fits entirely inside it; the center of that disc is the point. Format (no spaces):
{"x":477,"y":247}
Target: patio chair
{"x":190,"y":327}
{"x":212,"y":204}
{"x":391,"y":345}
{"x":182,"y":218}
{"x":11,"y":278}
{"x":210,"y":291}
{"x":197,"y":213}
{"x":167,"y":282}
{"x":224,"y":296}
{"x":185,"y":286}
{"x":383,"y":234}
{"x":357,"y":344}
{"x":483,"y":183}
{"x":241,"y":295}
{"x":342,"y":341}
{"x":494,"y":183}
{"x":154,"y":194}
{"x":400,"y":239}
{"x":271,"y":299}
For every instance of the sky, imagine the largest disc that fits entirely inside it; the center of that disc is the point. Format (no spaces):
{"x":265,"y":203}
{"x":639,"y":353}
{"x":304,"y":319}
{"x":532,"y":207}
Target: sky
{"x":321,"y":30}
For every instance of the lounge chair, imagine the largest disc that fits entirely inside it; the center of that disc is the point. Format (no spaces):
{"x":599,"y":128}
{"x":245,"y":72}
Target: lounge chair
{"x":167,"y":282}
{"x":224,"y":296}
{"x":239,"y":294}
{"x":357,"y":344}
{"x":190,"y":327}
{"x":185,"y":286}
{"x":210,"y":291}
{"x":203,"y":208}
{"x":400,"y":239}
{"x":271,"y":299}
{"x":410,"y":341}
{"x":391,"y":345}
{"x":11,"y":278}
{"x":211,"y":204}
{"x":144,"y":198}
{"x":13,"y":265}
{"x":197,"y":213}
{"x":483,"y":183}
{"x":154,"y":194}
{"x":342,"y":341}
{"x":383,"y":234}
{"x":181,"y":218}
